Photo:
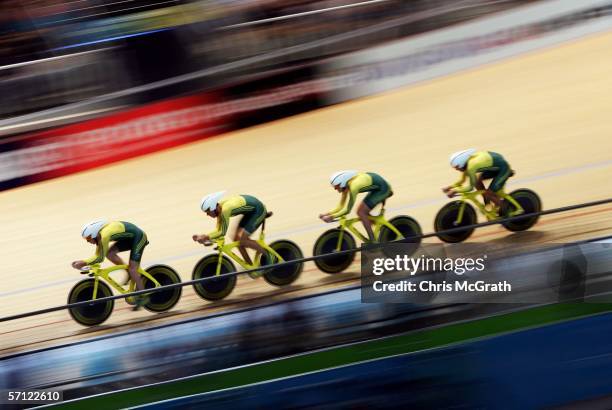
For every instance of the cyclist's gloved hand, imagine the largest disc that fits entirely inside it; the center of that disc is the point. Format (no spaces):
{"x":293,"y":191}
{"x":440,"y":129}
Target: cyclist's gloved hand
{"x":327,"y":218}
{"x":200,"y":238}
{"x":78,"y":264}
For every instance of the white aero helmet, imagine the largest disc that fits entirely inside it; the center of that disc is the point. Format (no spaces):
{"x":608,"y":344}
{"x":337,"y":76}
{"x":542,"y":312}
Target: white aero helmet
{"x":342,"y":177}
{"x":460,"y":158}
{"x":210,"y":201}
{"x":93,"y":228}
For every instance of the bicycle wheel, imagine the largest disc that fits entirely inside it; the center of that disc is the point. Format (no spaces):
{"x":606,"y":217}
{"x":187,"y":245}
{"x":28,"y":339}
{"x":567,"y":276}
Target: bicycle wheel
{"x":286,"y":274}
{"x":327,"y":244}
{"x":216,"y":288}
{"x":446,"y":217}
{"x":530,"y":201}
{"x":90,"y":315}
{"x":166,"y":299}
{"x":408,"y":227}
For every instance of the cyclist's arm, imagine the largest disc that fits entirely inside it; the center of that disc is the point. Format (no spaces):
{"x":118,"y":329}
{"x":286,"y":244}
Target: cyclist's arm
{"x":101,"y":250}
{"x":340,"y":204}
{"x":470,"y":175}
{"x":222,"y":224}
{"x":351,"y":193}
{"x":460,"y":181}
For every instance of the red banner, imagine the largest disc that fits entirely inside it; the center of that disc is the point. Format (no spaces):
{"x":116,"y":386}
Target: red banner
{"x":35,"y":157}
{"x":100,"y":141}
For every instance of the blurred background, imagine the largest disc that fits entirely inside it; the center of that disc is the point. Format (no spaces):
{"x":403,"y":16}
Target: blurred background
{"x":55,"y":53}
{"x":108,"y":106}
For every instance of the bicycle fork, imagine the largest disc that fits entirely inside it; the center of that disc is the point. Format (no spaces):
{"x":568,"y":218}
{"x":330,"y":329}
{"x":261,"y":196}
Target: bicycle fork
{"x":460,"y":214}
{"x":95,"y":290}
{"x":219,"y":261}
{"x":340,"y":238}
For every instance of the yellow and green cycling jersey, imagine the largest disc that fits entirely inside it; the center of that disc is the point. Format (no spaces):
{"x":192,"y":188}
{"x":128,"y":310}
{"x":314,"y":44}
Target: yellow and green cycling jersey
{"x":126,"y":236}
{"x":253,"y":209}
{"x":378,"y":189}
{"x":490,"y":165}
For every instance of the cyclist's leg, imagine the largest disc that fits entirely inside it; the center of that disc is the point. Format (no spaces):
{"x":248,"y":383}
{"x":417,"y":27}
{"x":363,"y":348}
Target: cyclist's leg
{"x":480,"y":186}
{"x":249,"y":224}
{"x":112,"y":255}
{"x":518,"y":209}
{"x":487,"y":194}
{"x":363,"y":212}
{"x":490,"y":195}
{"x":138,"y":245}
{"x":372,"y":199}
{"x":247,"y":242}
{"x":238,"y":237}
{"x":498,"y":183}
{"x":134,"y":275}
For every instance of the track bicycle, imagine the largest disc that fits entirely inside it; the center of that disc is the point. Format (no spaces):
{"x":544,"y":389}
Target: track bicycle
{"x":99,"y":284}
{"x":342,"y":238}
{"x":461,"y":212}
{"x":218,"y":266}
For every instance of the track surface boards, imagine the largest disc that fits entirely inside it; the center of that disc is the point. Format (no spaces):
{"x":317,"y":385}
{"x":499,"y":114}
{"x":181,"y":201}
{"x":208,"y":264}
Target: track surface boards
{"x":548,"y":113}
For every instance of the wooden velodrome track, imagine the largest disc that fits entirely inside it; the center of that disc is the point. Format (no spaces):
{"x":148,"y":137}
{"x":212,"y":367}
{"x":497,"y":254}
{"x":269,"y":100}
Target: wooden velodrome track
{"x":549,"y":113}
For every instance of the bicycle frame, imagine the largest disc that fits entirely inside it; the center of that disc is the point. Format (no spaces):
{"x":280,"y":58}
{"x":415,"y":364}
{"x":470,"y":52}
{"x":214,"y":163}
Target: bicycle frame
{"x":472,"y":197}
{"x":228,"y":248}
{"x":378,"y":221}
{"x":99,"y":273}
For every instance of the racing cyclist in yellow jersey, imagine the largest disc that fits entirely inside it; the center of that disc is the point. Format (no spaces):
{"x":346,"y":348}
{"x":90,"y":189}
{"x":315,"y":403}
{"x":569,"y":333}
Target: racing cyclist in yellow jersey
{"x":350,"y":183}
{"x":253,"y":213}
{"x":126,"y":236}
{"x":477,"y":166}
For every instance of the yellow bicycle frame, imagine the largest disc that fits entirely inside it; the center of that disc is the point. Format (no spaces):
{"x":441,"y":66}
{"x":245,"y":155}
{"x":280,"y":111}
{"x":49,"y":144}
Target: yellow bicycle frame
{"x":472,"y":196}
{"x":378,"y":221}
{"x":99,"y":273}
{"x":228,"y":248}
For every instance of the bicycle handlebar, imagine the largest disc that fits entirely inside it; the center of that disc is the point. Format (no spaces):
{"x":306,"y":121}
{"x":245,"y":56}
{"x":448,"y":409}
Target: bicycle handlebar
{"x":86,"y":270}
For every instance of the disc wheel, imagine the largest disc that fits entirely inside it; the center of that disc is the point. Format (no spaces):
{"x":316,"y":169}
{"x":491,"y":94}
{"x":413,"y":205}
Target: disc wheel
{"x":218,"y":287}
{"x":446,"y":217}
{"x":95,"y":314}
{"x":286,"y":274}
{"x":408,"y":227}
{"x":530,"y":201}
{"x":328,"y":244}
{"x":166,"y":299}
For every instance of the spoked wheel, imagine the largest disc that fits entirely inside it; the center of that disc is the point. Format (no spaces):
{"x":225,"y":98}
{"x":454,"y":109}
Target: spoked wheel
{"x":286,"y":274}
{"x":165,"y":299}
{"x":446,"y":217}
{"x":219,"y":287}
{"x":408,"y":227}
{"x":90,"y":315}
{"x":530,"y":201}
{"x":328,"y":244}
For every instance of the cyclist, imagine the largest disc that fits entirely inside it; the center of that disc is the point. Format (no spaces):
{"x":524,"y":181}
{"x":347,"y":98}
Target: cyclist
{"x":253,"y":213}
{"x":126,"y":236}
{"x":477,"y":166}
{"x":350,"y":183}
